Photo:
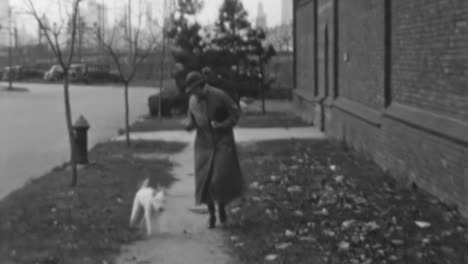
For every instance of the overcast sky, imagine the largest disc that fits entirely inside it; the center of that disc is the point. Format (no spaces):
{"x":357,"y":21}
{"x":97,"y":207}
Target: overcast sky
{"x":272,"y":9}
{"x":208,"y":15}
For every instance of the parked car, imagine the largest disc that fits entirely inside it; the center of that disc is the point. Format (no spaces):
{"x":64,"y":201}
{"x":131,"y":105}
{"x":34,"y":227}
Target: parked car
{"x":54,"y":74}
{"x":79,"y":73}
{"x":84,"y":73}
{"x":12,"y":73}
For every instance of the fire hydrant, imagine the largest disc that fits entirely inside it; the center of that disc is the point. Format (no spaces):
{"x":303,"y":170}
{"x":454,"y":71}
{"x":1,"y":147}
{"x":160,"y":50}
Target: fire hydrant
{"x":81,"y":127}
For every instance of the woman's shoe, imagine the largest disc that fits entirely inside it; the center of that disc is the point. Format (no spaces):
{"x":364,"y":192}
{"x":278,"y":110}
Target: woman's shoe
{"x":212,"y":222}
{"x":222,"y":215}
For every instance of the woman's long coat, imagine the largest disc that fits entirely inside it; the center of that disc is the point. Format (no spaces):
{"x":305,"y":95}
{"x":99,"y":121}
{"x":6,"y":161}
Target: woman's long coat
{"x":218,"y":175}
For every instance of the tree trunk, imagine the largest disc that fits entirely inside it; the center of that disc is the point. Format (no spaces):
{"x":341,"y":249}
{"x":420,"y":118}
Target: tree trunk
{"x":127,"y":116}
{"x":161,"y":76}
{"x":262,"y":85}
{"x":71,"y":134}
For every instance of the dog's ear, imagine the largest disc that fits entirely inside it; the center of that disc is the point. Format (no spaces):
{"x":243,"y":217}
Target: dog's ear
{"x":145,"y":183}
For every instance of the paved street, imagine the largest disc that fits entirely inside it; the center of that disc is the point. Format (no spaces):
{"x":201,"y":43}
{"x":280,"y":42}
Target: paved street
{"x":33,"y":133}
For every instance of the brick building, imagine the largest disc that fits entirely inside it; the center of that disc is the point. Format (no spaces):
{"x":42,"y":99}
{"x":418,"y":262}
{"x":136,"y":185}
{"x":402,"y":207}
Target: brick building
{"x":389,"y":77}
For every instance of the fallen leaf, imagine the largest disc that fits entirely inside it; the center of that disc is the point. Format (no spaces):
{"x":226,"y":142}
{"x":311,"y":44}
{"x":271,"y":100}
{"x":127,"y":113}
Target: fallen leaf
{"x":339,"y":178}
{"x":422,"y":224}
{"x":255,"y":185}
{"x":283,"y":246}
{"x":308,"y":239}
{"x":329,"y":233}
{"x":289,"y":233}
{"x":359,"y":200}
{"x":323,"y":212}
{"x":298,"y":213}
{"x":347,"y":224}
{"x":234,"y":238}
{"x":378,"y":245}
{"x":240,"y":244}
{"x":294,"y":189}
{"x":343,"y":246}
{"x":372,"y":226}
{"x":274,"y":178}
{"x":271,"y":257}
{"x":256,"y":199}
{"x":426,"y":241}
{"x":447,"y":233}
{"x":235,"y":210}
{"x":303,"y":231}
{"x":332,"y":167}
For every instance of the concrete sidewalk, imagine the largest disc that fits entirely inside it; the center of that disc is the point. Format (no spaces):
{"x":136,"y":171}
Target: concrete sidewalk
{"x":180,"y":235}
{"x":241,"y":134}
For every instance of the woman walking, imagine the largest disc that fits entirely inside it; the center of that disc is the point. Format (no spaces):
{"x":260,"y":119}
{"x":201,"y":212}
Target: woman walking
{"x":218,"y":177}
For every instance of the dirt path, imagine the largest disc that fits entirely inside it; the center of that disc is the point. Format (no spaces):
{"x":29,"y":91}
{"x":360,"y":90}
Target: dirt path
{"x":183,"y":236}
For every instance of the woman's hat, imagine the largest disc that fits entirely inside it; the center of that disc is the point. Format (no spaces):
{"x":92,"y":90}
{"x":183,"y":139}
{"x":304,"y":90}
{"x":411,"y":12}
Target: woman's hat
{"x":193,"y":80}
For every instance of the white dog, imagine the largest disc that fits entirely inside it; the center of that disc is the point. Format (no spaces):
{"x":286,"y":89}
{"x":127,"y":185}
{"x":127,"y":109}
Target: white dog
{"x":150,"y":200}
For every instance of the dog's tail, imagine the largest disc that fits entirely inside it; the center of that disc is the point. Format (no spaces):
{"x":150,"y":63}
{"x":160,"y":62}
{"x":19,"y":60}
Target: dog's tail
{"x":145,"y":183}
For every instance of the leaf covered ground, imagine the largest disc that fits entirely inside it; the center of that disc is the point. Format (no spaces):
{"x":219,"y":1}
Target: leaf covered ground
{"x":47,"y":221}
{"x":319,"y":202}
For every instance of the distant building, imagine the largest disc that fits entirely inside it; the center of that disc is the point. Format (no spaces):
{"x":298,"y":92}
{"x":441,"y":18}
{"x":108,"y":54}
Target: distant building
{"x":4,"y":22}
{"x":261,"y":21}
{"x":95,"y":14}
{"x":40,"y":32}
{"x":286,"y":11}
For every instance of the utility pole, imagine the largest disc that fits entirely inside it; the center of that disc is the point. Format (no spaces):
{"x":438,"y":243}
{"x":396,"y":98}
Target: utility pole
{"x":161,"y":69}
{"x":10,"y":55}
{"x":130,"y":31}
{"x":80,"y":35}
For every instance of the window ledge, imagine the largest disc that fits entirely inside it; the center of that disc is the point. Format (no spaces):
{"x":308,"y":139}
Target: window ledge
{"x":443,"y":126}
{"x":359,"y":110}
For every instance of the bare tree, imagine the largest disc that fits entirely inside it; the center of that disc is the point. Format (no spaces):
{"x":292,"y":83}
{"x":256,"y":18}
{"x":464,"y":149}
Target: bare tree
{"x":64,"y":52}
{"x":128,"y":52}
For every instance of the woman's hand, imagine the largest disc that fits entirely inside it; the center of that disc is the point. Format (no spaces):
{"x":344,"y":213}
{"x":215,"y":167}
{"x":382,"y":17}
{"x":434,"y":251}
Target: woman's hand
{"x":215,"y":125}
{"x":187,"y":124}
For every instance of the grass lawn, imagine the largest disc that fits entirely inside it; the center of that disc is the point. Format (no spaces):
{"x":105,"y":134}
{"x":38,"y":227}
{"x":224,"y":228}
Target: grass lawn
{"x":47,"y":221}
{"x":319,"y":202}
{"x":247,"y":120}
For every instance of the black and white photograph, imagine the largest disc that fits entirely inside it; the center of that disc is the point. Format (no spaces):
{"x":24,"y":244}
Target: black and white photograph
{"x":233,"y":132}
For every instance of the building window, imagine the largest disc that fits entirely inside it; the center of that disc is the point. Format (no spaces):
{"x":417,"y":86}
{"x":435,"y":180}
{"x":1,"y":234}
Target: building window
{"x":326,"y":60}
{"x":316,"y":42}
{"x":388,"y":54}
{"x":335,"y":49}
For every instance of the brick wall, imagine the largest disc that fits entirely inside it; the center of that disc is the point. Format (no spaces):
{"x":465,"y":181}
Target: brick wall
{"x":432,"y":162}
{"x":420,"y":136}
{"x":430,"y":55}
{"x":325,"y":12}
{"x":361,"y":39}
{"x":305,"y":45}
